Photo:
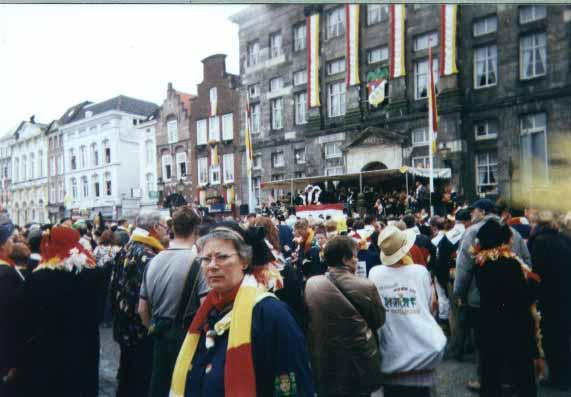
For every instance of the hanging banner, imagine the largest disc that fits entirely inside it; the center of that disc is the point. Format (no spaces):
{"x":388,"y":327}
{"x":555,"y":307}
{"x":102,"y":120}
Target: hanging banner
{"x":214,"y":155}
{"x":377,"y":85}
{"x":213,"y":101}
{"x":448,"y":13}
{"x":397,"y":37}
{"x":313,"y":60}
{"x":352,"y":36}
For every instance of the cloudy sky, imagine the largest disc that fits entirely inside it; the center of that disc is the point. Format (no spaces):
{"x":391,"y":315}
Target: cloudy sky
{"x":54,"y":56}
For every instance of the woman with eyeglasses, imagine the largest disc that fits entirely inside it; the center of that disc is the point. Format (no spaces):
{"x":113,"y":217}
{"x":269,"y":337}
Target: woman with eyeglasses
{"x":242,"y":341}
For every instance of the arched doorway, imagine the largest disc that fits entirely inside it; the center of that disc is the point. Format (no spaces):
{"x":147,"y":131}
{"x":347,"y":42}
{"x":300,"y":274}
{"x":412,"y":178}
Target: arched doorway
{"x":373,"y":166}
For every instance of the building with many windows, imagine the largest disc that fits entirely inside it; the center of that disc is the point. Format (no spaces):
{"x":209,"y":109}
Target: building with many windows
{"x":501,"y":111}
{"x":6,"y":142}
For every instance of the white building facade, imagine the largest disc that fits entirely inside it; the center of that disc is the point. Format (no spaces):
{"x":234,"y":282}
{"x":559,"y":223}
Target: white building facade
{"x":6,"y":142}
{"x":102,"y":158}
{"x":29,"y":183}
{"x":148,"y":163}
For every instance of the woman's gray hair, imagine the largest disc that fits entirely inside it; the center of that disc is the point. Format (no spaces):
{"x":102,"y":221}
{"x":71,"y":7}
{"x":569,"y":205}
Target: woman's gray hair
{"x":244,"y":250}
{"x":149,"y":219}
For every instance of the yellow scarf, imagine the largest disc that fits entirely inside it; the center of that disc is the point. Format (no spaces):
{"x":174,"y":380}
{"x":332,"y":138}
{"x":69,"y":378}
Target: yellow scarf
{"x":148,"y":240}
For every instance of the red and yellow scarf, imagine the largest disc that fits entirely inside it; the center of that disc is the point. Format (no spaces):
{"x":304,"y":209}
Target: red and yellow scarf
{"x":239,"y":376}
{"x":7,"y":262}
{"x":481,"y":256}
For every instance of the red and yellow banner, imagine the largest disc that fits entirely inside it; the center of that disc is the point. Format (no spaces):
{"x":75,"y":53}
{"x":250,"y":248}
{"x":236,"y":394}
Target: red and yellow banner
{"x":432,"y":105}
{"x":313,"y":60}
{"x":397,"y":15}
{"x":352,"y":36}
{"x":448,"y":14}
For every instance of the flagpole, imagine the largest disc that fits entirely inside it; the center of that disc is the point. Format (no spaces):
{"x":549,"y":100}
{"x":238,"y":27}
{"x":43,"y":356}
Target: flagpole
{"x":249,"y":156}
{"x":432,"y":124}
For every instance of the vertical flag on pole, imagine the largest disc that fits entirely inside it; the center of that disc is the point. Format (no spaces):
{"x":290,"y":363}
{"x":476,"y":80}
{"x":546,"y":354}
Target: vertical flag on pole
{"x":397,"y":16}
{"x":352,"y":36}
{"x":448,"y":14}
{"x":249,"y":153}
{"x":432,"y":117}
{"x":313,"y":60}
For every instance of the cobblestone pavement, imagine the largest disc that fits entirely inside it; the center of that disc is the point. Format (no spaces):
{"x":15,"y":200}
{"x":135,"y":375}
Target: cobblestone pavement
{"x":452,"y":375}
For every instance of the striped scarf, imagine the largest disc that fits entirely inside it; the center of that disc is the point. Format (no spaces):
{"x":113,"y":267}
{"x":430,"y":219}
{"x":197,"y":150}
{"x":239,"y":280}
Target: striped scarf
{"x":239,"y":376}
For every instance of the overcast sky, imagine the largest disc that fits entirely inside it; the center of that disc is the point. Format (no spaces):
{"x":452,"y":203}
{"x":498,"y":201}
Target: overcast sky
{"x":54,"y":56}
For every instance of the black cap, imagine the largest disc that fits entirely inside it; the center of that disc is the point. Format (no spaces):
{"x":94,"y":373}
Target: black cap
{"x":485,"y":205}
{"x":463,"y":215}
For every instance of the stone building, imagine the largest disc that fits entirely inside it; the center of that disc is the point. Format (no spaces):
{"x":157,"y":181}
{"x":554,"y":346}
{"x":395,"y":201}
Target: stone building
{"x":214,"y":125}
{"x":6,"y":142}
{"x":509,"y":103}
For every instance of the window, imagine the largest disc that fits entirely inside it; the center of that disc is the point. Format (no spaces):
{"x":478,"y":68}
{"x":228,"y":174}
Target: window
{"x":533,"y":56}
{"x":421,"y":77}
{"x":214,"y":128}
{"x":336,"y":66}
{"x":41,"y":164}
{"x":300,"y":103}
{"x":167,"y":166}
{"x":531,"y":13}
{"x":24,"y":168}
{"x":377,"y":13}
{"x":487,"y":172}
{"x":487,"y":129}
{"x":533,"y":138}
{"x":257,"y":161}
{"x":256,"y":118}
{"x":150,"y":182}
{"x":485,"y":66}
{"x":333,"y":150}
{"x":257,"y":182}
{"x":276,"y":108}
{"x":181,"y":164}
{"x":107,"y":150}
{"x":32,"y":166}
{"x":336,"y":99}
{"x":254,"y":90}
{"x":83,"y":156}
{"x":149,"y":152}
{"x":73,"y":159}
{"x":276,"y":84}
{"x":95,"y":182}
{"x":420,"y":136}
{"x":201,"y":132}
{"x":379,"y":54}
{"x":228,"y":164}
{"x":275,"y":44}
{"x":331,"y":171}
{"x":299,"y":155}
{"x":214,"y":174}
{"x":85,"y":187}
{"x":16,"y":169}
{"x":74,"y":188}
{"x":486,"y":25}
{"x":228,"y":127}
{"x":278,"y":159}
{"x":172,"y":131}
{"x":299,"y":174}
{"x":60,"y":192}
{"x":299,"y":37}
{"x":300,"y":77}
{"x":60,"y":164}
{"x":423,"y":41}
{"x":95,"y":155}
{"x":108,"y":183}
{"x":52,"y":194}
{"x":52,"y":166}
{"x":421,"y":162}
{"x":253,"y":53}
{"x":202,"y":164}
{"x":335,"y":23}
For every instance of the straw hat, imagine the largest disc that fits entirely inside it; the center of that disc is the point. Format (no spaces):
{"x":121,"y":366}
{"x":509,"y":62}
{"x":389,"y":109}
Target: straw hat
{"x":395,"y":244}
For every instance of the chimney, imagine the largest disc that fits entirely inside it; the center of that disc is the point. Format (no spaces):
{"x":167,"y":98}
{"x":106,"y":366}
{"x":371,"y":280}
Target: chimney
{"x":33,"y":119}
{"x":214,"y":67}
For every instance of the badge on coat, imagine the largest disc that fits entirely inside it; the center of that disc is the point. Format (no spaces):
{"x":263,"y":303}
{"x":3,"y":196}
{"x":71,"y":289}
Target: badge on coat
{"x":285,"y":385}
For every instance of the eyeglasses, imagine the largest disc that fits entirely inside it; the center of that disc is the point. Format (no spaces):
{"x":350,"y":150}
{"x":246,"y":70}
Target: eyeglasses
{"x":218,"y":259}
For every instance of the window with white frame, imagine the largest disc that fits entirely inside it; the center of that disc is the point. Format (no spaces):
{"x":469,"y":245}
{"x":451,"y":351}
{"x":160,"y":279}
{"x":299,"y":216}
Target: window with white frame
{"x":533,"y":140}
{"x":300,"y":77}
{"x":16,"y":170}
{"x":276,"y":109}
{"x":74,"y":188}
{"x":167,"y":166}
{"x":336,"y":99}
{"x":41,"y":164}
{"x":72,"y":159}
{"x":202,"y":164}
{"x":253,"y":53}
{"x":421,"y":162}
{"x":60,"y":192}
{"x":257,"y":161}
{"x":254,"y":90}
{"x":300,"y":103}
{"x":213,"y":92}
{"x":181,"y":166}
{"x":485,"y":66}
{"x":150,"y":182}
{"x":486,"y":129}
{"x":256,"y":118}
{"x":299,"y":174}
{"x":214,"y":174}
{"x":377,"y":13}
{"x":107,"y":151}
{"x":32,"y":166}
{"x":426,"y":40}
{"x":83,"y":156}
{"x":24,"y":168}
{"x":278,"y":159}
{"x":276,"y":84}
{"x":228,"y":127}
{"x":299,"y":37}
{"x":149,"y":151}
{"x":257,"y":182}
{"x":108,"y":183}
{"x":485,"y":25}
{"x":214,"y":129}
{"x":201,"y":132}
{"x":336,"y":66}
{"x":172,"y":131}
{"x":95,"y":183}
{"x":275,"y":44}
{"x":533,"y":55}
{"x":52,"y":194}
{"x":333,"y":150}
{"x":530,"y":13}
{"x":52,"y":166}
{"x":85,"y":186}
{"x":378,"y":54}
{"x":332,"y":171}
{"x":421,"y":77}
{"x":420,"y":136}
{"x":60,"y":164}
{"x":299,"y":156}
{"x":228,"y":164}
{"x":487,"y":172}
{"x":335,"y":23}
{"x":95,"y":155}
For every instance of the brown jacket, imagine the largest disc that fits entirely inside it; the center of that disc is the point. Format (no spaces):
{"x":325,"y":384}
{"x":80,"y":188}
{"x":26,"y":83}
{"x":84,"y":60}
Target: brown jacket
{"x":343,"y":333}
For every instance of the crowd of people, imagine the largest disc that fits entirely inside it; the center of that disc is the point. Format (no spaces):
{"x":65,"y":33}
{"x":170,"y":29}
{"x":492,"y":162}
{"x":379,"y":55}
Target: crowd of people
{"x":276,"y":305}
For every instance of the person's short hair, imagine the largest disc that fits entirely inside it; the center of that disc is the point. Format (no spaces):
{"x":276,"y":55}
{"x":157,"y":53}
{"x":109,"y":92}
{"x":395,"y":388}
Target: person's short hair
{"x":184,"y":222}
{"x":20,"y":254}
{"x":63,"y":220}
{"x":339,"y":248}
{"x":148,"y":220}
{"x":438,"y":222}
{"x":359,"y":224}
{"x":301,"y":224}
{"x":369,"y":218}
{"x":35,"y":240}
{"x":108,"y":238}
{"x":330,"y":225}
{"x":122,"y":222}
{"x":409,"y":221}
{"x":244,"y":250}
